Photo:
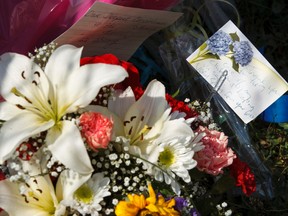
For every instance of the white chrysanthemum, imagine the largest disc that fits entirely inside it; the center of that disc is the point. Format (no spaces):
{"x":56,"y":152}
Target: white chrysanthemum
{"x":175,"y":157}
{"x":86,"y":199}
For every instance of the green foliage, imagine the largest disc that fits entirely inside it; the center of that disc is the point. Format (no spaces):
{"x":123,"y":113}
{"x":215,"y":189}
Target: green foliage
{"x":235,"y":66}
{"x":234,"y":36}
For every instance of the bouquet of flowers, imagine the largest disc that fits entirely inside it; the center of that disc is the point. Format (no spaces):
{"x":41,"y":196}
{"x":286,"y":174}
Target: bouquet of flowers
{"x":81,"y":136}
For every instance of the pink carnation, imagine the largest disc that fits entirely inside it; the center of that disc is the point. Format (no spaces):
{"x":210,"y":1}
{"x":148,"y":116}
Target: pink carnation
{"x":215,"y":155}
{"x":96,"y":129}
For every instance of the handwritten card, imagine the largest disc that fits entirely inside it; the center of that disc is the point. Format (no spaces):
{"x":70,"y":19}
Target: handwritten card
{"x":230,"y":63}
{"x":108,"y":28}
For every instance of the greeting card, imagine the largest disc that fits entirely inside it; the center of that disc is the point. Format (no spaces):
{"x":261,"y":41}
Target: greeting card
{"x":233,"y":66}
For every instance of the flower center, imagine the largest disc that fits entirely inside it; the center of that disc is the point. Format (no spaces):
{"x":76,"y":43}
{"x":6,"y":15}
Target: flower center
{"x":34,"y":195}
{"x":140,"y":136}
{"x":167,"y":157}
{"x":37,"y":105}
{"x":84,"y":194}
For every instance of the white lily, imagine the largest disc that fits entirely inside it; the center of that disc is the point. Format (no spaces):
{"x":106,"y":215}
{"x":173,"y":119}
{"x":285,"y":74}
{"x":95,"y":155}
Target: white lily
{"x":37,"y":196}
{"x":153,"y":133}
{"x":138,"y":121}
{"x":142,"y":122}
{"x":37,"y":100}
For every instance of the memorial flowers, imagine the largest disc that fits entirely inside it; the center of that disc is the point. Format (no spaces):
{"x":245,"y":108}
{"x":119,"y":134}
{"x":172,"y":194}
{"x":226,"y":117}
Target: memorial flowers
{"x":79,"y":137}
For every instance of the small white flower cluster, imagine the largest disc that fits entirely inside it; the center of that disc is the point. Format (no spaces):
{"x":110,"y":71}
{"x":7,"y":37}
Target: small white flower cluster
{"x":205,"y":114}
{"x":22,"y":156}
{"x":104,"y":95}
{"x":16,"y":168}
{"x":222,"y":209}
{"x":125,"y":172}
{"x":54,"y":167}
{"x":198,"y":190}
{"x":42,"y":54}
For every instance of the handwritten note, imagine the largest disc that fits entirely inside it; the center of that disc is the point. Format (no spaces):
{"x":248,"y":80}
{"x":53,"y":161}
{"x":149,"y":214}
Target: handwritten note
{"x":248,"y":91}
{"x":119,"y":30}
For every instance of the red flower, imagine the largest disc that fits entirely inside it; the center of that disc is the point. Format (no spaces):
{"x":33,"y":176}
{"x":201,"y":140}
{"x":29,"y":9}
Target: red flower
{"x":181,"y":107}
{"x":243,"y":176}
{"x":133,"y":80}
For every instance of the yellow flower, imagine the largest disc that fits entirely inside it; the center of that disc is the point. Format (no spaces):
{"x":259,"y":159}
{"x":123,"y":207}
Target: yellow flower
{"x":137,"y":205}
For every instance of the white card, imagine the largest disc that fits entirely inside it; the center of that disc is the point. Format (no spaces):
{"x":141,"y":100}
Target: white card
{"x":249,"y":86}
{"x":108,"y":28}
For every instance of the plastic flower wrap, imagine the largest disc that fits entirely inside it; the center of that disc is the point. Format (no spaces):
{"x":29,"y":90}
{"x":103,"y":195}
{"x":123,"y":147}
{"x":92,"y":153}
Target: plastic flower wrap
{"x":24,"y":27}
{"x":146,"y":4}
{"x":78,"y":136}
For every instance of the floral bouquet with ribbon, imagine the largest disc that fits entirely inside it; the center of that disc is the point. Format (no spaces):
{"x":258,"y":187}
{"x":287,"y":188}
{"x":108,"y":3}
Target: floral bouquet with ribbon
{"x":82,"y":136}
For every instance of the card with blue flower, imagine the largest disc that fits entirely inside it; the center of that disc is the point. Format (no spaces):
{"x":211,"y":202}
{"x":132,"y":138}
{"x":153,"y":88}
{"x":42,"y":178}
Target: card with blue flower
{"x":234,"y":68}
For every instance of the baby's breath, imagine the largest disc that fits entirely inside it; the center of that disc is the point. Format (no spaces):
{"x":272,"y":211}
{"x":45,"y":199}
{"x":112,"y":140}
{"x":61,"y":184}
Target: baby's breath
{"x":126,"y":175}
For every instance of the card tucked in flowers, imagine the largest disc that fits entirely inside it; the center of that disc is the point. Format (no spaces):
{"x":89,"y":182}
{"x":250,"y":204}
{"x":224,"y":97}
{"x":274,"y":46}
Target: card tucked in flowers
{"x":108,"y":28}
{"x":230,"y":63}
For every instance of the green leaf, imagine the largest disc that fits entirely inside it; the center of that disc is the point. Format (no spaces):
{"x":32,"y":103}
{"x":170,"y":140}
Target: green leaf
{"x":175,"y":94}
{"x":203,"y":46}
{"x":234,"y":36}
{"x":211,"y":56}
{"x":235,"y":65}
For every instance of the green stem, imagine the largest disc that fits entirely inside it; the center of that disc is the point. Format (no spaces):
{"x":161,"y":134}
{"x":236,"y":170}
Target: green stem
{"x":199,"y":57}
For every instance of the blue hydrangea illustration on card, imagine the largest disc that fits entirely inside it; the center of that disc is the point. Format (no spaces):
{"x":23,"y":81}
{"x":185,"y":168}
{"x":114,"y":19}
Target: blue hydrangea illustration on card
{"x":250,"y":83}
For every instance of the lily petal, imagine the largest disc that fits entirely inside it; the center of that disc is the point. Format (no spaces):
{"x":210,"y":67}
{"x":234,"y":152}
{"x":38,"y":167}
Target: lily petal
{"x":66,"y":145}
{"x":148,"y":109}
{"x":89,"y":79}
{"x":63,"y":62}
{"x":19,"y":72}
{"x":121,"y":102}
{"x":8,"y":111}
{"x":77,"y":86}
{"x":18,"y":129}
{"x":14,"y":204}
{"x":175,"y":128}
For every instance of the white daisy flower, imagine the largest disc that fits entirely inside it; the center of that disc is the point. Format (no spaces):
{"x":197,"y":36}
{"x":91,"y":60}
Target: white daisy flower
{"x":86,"y":199}
{"x":173,"y":154}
